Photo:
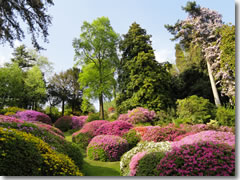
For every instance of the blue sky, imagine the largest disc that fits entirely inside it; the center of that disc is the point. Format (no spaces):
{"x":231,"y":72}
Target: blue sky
{"x":152,"y":15}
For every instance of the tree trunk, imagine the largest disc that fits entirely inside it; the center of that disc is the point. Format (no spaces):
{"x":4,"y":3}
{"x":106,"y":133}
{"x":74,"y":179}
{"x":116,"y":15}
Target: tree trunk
{"x":101,"y":110}
{"x":62,"y":107}
{"x":214,"y":89}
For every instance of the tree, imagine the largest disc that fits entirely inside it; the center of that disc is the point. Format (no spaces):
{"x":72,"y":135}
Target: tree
{"x":22,"y":57}
{"x":200,"y":28}
{"x":147,"y":82}
{"x":32,"y":12}
{"x":65,"y":87}
{"x":35,"y":86}
{"x":96,"y":51}
{"x":11,"y":86}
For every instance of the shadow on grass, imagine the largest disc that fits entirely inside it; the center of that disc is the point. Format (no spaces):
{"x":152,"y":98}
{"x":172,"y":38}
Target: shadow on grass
{"x":95,"y":168}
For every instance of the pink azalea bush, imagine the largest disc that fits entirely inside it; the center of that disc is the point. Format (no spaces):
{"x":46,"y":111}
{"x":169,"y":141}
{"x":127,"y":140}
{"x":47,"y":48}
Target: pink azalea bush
{"x":78,"y":121}
{"x":107,"y":148}
{"x":114,"y":128}
{"x":217,"y":137}
{"x":88,"y":131}
{"x":138,"y":115}
{"x":134,"y":162}
{"x":199,"y":159}
{"x":158,"y":134}
{"x":30,"y":115}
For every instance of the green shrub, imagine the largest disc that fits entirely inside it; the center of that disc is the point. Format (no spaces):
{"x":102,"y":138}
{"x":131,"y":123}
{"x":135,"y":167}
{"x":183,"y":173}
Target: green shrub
{"x":64,"y":123}
{"x":163,"y":117}
{"x":147,"y":166}
{"x":225,"y":116}
{"x":132,"y":138}
{"x":82,"y":139}
{"x":23,"y":154}
{"x":195,"y":110}
{"x":93,"y":117}
{"x":10,"y":110}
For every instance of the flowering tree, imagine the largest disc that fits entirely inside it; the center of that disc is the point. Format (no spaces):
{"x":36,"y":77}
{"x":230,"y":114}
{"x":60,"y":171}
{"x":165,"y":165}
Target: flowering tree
{"x":202,"y":27}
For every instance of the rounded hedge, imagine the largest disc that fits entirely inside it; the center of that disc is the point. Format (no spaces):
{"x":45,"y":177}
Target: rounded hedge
{"x":44,"y":132}
{"x":30,"y":115}
{"x":201,"y":159}
{"x":132,"y":138}
{"x":23,"y":154}
{"x":107,"y":148}
{"x":64,"y":123}
{"x":117,"y":128}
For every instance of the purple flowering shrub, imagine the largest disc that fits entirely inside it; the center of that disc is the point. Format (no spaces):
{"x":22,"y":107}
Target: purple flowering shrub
{"x":200,"y":159}
{"x":84,"y":136}
{"x":30,"y":115}
{"x":64,"y":123}
{"x":207,"y":136}
{"x":117,"y":128}
{"x":158,"y":134}
{"x":78,"y":121}
{"x":107,"y":148}
{"x":138,"y":115}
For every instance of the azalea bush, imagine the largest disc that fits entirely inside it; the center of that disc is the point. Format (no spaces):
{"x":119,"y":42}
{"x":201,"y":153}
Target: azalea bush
{"x":23,"y":154}
{"x":166,"y":133}
{"x":107,"y":148}
{"x":138,"y":115}
{"x":66,"y":123}
{"x":114,"y":128}
{"x":199,"y":159}
{"x":217,"y":137}
{"x":30,"y":115}
{"x":142,"y":130}
{"x":88,"y":131}
{"x":141,"y":147}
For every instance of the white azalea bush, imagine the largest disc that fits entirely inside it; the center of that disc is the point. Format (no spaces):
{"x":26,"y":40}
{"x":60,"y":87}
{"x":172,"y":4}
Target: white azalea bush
{"x":147,"y":147}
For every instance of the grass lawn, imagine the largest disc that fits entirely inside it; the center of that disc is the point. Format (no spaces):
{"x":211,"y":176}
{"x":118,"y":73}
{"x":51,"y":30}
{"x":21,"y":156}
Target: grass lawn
{"x":96,"y":168}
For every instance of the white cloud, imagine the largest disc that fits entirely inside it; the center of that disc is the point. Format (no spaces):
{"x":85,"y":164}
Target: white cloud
{"x":164,"y":55}
{"x":17,"y":43}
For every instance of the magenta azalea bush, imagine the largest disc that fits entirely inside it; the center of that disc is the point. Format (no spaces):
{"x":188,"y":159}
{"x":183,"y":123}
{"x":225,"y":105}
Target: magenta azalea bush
{"x":158,"y":134}
{"x":78,"y":121}
{"x":114,"y":128}
{"x":134,"y":162}
{"x":138,"y":115}
{"x":216,"y":137}
{"x":30,"y":115}
{"x":107,"y":148}
{"x":199,"y":159}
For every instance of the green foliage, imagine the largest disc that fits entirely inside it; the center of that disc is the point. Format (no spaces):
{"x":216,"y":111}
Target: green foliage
{"x":97,"y":154}
{"x":53,"y":113}
{"x":164,"y":117}
{"x":148,"y":164}
{"x":225,"y":116}
{"x":96,"y":51}
{"x":93,"y":117}
{"x":9,"y":110}
{"x":132,"y":138}
{"x":82,"y":139}
{"x":195,"y":110}
{"x":23,"y":154}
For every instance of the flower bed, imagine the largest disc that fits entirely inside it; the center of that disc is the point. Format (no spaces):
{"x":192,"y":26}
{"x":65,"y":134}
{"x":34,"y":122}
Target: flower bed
{"x":141,"y":147}
{"x":117,"y":128}
{"x":30,"y":115}
{"x":107,"y":148}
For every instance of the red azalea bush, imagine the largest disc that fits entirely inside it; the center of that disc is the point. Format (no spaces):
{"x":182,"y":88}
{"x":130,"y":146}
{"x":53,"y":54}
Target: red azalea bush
{"x":200,"y":159}
{"x":114,"y":128}
{"x":158,"y":134}
{"x":138,"y":115}
{"x":142,"y":130}
{"x":107,"y":148}
{"x":30,"y":115}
